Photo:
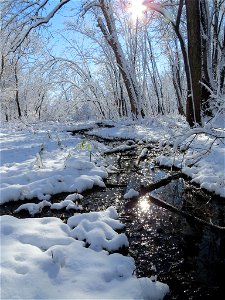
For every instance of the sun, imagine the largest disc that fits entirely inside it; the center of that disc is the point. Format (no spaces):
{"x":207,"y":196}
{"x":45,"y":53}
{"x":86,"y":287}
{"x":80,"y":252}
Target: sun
{"x":136,"y":9}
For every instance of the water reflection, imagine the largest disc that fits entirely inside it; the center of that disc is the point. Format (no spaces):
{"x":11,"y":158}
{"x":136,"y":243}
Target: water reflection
{"x":143,"y":204}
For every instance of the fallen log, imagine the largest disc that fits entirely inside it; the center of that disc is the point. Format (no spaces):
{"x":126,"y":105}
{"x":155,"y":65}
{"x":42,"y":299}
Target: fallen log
{"x":164,"y":181}
{"x":185,"y":214}
{"x":121,"y":149}
{"x":115,"y":185}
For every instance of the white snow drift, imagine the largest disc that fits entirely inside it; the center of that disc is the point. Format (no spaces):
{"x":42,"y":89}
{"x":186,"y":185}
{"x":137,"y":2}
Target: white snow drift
{"x":37,"y":165}
{"x":41,"y":260}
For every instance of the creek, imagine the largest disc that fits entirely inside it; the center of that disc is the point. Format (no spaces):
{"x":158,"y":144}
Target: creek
{"x":171,"y":247}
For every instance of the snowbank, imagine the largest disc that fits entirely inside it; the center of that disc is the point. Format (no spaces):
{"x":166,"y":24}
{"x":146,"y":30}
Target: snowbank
{"x":98,"y":230}
{"x":203,"y":159}
{"x":40,"y":163}
{"x":40,"y":260}
{"x":151,"y":130}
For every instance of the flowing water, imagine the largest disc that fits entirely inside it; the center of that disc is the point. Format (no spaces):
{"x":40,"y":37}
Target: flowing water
{"x":188,"y":256}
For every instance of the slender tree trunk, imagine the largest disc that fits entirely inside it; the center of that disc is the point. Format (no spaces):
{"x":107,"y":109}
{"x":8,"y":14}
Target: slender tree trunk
{"x":222,"y":75}
{"x":193,"y":109}
{"x":17,"y":92}
{"x":206,"y":56}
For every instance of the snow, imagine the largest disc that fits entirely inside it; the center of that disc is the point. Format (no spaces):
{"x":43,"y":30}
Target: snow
{"x":47,"y":259}
{"x":33,"y":208}
{"x":131,"y":194}
{"x":207,"y":157}
{"x":109,"y":217}
{"x":152,"y":130}
{"x":97,"y":229}
{"x":204,"y":157}
{"x":33,"y":164}
{"x":68,"y":204}
{"x":143,"y":153}
{"x":40,"y":260}
{"x":65,"y":164}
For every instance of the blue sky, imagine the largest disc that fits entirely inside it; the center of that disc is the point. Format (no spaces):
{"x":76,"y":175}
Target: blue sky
{"x":56,"y":29}
{"x":56,"y":25}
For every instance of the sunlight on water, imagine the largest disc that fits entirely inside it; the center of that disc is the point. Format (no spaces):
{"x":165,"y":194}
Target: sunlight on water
{"x":143,"y":204}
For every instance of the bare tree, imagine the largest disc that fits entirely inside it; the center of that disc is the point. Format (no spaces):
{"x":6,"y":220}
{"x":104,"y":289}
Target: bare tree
{"x":19,"y":18}
{"x":106,"y":23}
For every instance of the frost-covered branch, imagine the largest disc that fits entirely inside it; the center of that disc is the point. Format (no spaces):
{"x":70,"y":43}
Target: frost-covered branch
{"x":30,"y":19}
{"x":207,"y":130}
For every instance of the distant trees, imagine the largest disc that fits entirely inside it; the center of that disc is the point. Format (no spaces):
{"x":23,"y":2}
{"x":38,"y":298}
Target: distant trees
{"x":106,"y":23}
{"x":173,"y":61}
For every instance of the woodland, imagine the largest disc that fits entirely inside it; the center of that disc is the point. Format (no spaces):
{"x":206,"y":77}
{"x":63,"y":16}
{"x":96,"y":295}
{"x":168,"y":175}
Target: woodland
{"x":112,"y":159}
{"x":119,"y":59}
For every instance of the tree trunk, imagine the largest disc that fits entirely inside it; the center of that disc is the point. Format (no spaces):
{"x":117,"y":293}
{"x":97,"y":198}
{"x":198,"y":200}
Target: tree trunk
{"x":193,"y":109}
{"x":17,"y":92}
{"x":109,"y":32}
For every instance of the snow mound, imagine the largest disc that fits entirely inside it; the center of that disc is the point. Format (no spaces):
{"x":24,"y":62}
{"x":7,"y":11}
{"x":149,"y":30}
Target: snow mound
{"x":34,"y":165}
{"x":33,"y":208}
{"x":143,"y":153}
{"x":40,"y":260}
{"x":74,"y":197}
{"x":97,"y":229}
{"x":68,"y":204}
{"x":131,"y":194}
{"x":108,"y":216}
{"x":79,"y":164}
{"x":203,"y":160}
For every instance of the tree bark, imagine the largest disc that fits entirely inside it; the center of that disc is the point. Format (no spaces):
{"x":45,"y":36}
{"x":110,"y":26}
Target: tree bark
{"x":206,"y":57}
{"x":193,"y":109}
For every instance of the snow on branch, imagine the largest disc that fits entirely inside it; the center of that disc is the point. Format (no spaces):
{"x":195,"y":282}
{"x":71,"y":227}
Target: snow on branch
{"x":87,"y":6}
{"x":38,"y":20}
{"x":207,"y":130}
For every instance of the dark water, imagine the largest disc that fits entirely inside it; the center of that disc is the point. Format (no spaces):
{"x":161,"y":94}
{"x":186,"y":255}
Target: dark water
{"x":189,"y":257}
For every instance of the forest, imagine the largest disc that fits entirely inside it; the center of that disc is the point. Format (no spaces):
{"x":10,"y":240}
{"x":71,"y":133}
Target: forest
{"x":112,"y":159}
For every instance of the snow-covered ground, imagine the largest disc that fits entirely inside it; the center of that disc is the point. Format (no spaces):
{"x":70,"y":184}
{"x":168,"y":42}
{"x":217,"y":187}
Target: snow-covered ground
{"x":203,"y":149}
{"x":203,"y":161}
{"x":41,"y":161}
{"x":47,"y":259}
{"x":152,"y":130}
{"x":41,"y":259}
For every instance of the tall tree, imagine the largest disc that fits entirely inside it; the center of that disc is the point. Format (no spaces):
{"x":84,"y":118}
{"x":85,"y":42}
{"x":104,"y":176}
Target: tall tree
{"x":193,"y":110}
{"x":106,"y":23}
{"x":190,"y":57}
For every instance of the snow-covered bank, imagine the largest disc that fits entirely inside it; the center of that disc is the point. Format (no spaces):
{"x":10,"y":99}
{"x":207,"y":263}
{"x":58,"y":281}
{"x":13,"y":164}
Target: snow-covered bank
{"x":45,"y":258}
{"x":43,"y":159}
{"x":202,"y":159}
{"x":40,"y":259}
{"x":151,"y":130}
{"x":39,"y":163}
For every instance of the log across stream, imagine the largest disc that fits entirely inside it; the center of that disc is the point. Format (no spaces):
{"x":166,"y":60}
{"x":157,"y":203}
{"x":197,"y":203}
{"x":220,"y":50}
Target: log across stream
{"x":175,"y":230}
